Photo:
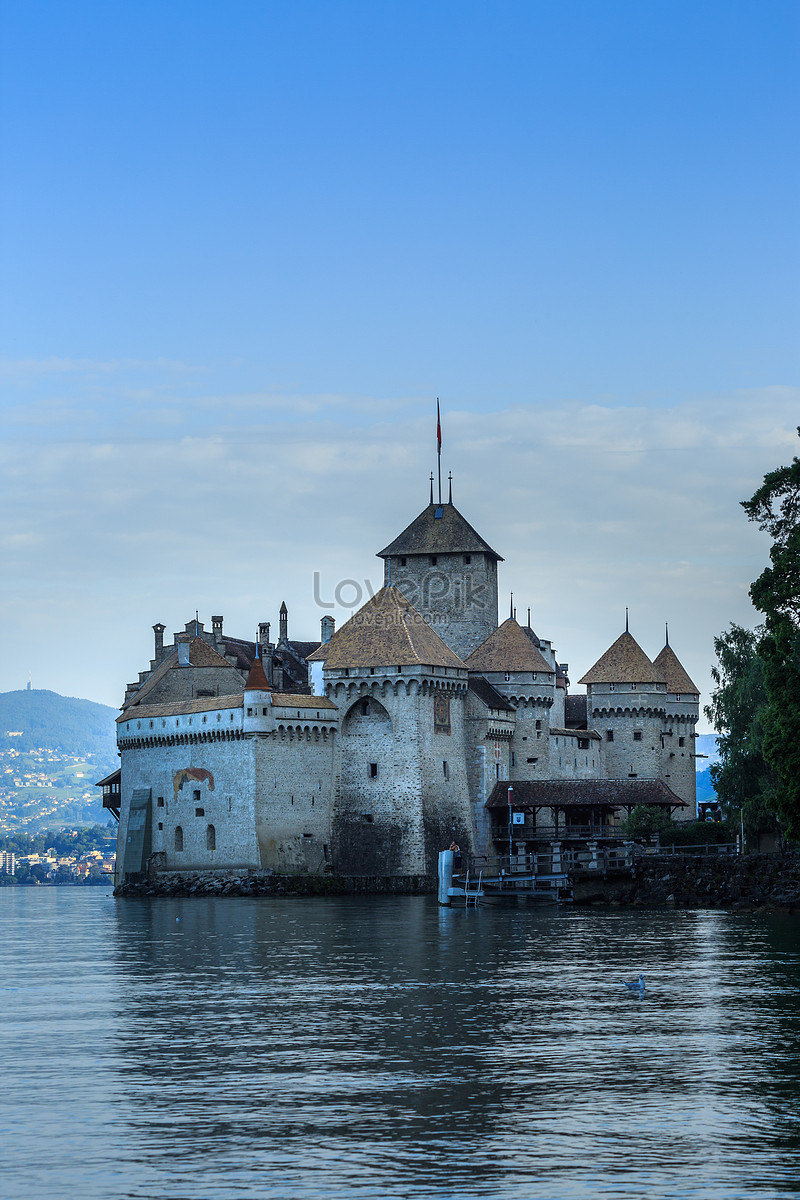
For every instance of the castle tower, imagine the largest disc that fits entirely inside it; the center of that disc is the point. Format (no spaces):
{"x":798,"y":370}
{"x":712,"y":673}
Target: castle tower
{"x":682,"y":711}
{"x":626,"y":698}
{"x":448,"y":573}
{"x":403,"y":790}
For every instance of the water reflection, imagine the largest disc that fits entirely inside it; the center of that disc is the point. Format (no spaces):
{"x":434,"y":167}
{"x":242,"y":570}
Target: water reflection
{"x":389,"y":1048}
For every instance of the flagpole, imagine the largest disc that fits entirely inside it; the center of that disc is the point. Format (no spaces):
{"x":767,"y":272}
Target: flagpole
{"x":439,"y":448}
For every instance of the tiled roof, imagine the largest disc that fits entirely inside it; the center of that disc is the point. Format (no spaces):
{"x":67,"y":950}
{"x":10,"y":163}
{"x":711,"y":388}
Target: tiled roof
{"x":448,"y":533}
{"x":200,"y":655}
{"x":671,"y":667}
{"x":584,"y":793}
{"x":214,"y":703}
{"x":508,"y":649}
{"x":257,"y":680}
{"x":386,"y":632}
{"x":489,"y":695}
{"x":624,"y":662}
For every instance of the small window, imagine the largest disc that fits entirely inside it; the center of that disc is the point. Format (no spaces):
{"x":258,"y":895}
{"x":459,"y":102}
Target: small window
{"x":365,"y":708}
{"x":199,"y":812}
{"x":402,"y":562}
{"x":611,"y":687}
{"x":446,"y":770}
{"x":609,"y":735}
{"x":160,"y":802}
{"x":681,"y":741}
{"x":196,"y":795}
{"x":467,"y":559}
{"x":538,"y":725}
{"x":178,"y":837}
{"x":506,"y":676}
{"x":367,"y":817}
{"x":677,"y":696}
{"x":249,"y":712}
{"x":513,"y":759}
{"x":637,"y":735}
{"x":372,"y":670}
{"x":211,"y":838}
{"x":160,"y":824}
{"x":634,"y":687}
{"x":497,"y":770}
{"x":583,"y":743}
{"x":264,"y":712}
{"x":373,"y":770}
{"x":531,"y":760}
{"x":434,"y":560}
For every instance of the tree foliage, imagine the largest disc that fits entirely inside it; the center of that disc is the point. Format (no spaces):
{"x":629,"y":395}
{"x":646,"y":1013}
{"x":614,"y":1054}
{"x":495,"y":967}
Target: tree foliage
{"x":755,"y":707}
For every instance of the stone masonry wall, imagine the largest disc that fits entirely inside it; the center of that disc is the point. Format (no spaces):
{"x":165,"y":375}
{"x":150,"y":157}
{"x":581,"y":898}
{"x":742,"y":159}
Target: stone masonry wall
{"x":457,"y":597}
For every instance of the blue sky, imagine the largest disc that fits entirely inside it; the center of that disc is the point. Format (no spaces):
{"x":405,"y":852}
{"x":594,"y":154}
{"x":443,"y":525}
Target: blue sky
{"x":246,"y":245}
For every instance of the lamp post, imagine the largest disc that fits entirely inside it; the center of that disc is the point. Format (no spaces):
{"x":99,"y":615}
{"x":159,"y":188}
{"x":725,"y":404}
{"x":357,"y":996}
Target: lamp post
{"x":510,"y":842}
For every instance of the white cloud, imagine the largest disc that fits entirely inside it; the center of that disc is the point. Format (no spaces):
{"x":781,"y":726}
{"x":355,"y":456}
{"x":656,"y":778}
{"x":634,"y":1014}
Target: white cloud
{"x":594,"y":507}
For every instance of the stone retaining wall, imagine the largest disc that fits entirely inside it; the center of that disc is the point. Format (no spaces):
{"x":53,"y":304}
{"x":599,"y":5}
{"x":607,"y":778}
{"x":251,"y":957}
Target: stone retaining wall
{"x":256,"y":884}
{"x":750,"y":882}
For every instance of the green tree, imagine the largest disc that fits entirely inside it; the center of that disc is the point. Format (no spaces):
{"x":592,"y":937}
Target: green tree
{"x":775,"y":507}
{"x":744,"y":781}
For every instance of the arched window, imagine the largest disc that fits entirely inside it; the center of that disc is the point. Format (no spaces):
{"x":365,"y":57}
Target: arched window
{"x":178,"y":837}
{"x":211,"y":838}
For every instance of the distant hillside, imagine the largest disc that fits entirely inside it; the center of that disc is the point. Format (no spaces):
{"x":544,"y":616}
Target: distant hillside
{"x":31,"y":720}
{"x":53,"y":749}
{"x":706,"y":744}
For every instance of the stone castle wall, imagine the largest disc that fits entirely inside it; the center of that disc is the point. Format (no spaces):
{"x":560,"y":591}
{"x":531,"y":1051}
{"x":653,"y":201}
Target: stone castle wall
{"x":457,"y":597}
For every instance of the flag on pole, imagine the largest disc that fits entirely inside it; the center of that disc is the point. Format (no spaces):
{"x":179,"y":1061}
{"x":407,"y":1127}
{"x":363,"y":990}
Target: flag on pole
{"x":438,"y":430}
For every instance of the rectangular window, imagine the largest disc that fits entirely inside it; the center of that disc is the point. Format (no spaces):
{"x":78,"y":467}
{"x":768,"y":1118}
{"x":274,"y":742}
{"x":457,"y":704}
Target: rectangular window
{"x":367,"y":817}
{"x":513,"y":759}
{"x":373,"y":770}
{"x":402,"y":562}
{"x":637,"y":735}
{"x":583,"y":743}
{"x":611,"y":687}
{"x":434,"y":560}
{"x":538,"y":725}
{"x":196,"y":795}
{"x":249,"y":712}
{"x":609,"y":735}
{"x":160,"y":801}
{"x":446,"y":770}
{"x":199,"y":812}
{"x":467,"y":559}
{"x":681,"y":741}
{"x":160,"y":824}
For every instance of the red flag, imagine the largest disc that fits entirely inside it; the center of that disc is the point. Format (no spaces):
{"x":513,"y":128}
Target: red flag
{"x":438,"y":430}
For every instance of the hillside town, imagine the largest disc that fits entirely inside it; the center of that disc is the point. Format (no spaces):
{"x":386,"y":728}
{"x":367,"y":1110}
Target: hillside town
{"x":42,"y":787}
{"x":95,"y":866}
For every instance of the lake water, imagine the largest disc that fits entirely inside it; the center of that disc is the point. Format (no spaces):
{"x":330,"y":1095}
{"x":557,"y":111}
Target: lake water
{"x":383,"y":1047}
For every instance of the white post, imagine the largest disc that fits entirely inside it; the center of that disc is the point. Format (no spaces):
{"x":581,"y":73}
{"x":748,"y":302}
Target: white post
{"x":445,"y":875}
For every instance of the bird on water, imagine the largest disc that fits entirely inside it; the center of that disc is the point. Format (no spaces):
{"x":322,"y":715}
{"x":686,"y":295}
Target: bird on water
{"x":635,"y":985}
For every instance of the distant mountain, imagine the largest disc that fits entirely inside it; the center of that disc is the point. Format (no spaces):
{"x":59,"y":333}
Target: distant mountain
{"x":53,"y":749}
{"x":36,"y":719}
{"x":706,"y":743}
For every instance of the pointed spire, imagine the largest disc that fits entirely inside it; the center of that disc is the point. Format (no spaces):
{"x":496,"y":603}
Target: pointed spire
{"x":257,"y":680}
{"x":627,"y":630}
{"x":431,"y":487}
{"x":511,"y":607}
{"x":450,"y":481}
{"x":529,"y":617}
{"x":666,"y":632}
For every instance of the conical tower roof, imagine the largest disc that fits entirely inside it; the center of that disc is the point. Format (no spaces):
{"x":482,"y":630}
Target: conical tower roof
{"x":624,"y":662}
{"x":508,"y":649}
{"x":674,"y":672}
{"x":387,"y":632}
{"x":257,"y":679}
{"x":439,"y":529}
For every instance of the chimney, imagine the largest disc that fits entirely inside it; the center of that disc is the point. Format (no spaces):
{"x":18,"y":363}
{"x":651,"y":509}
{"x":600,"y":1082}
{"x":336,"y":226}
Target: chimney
{"x":327,"y":626}
{"x":158,"y":630}
{"x":216,"y":628}
{"x":277,"y":675}
{"x":263,"y":633}
{"x":284,"y":625}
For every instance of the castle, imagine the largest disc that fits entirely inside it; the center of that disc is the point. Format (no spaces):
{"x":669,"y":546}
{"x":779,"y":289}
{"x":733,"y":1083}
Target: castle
{"x":422,"y":720}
